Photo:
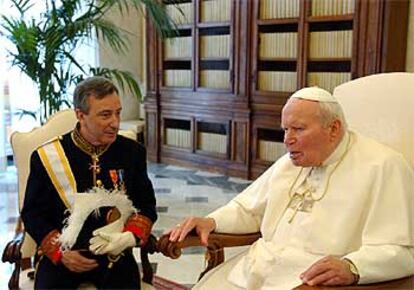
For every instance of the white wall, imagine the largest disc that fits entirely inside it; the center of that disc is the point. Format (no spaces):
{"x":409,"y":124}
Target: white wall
{"x":3,"y":159}
{"x":133,"y":61}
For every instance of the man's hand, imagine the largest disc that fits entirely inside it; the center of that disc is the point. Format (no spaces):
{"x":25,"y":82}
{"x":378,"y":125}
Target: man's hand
{"x":328,"y":271}
{"x":203,"y":227}
{"x":111,"y":243}
{"x":75,"y":262}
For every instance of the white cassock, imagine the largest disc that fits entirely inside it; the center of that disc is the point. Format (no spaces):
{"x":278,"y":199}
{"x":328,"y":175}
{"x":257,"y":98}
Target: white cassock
{"x":365,"y":213}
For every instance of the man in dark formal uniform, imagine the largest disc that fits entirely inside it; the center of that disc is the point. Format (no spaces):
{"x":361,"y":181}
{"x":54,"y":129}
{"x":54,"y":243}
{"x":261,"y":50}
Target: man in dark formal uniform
{"x":92,"y":158}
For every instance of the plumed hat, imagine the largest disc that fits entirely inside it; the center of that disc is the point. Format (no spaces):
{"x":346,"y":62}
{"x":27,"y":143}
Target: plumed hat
{"x":93,"y":210}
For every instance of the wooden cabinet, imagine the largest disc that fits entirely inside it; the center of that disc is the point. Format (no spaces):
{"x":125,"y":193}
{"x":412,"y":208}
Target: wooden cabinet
{"x":216,"y":89}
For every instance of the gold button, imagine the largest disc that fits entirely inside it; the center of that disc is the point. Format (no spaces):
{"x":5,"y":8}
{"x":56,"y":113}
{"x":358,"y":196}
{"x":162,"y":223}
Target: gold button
{"x":99,"y":182}
{"x":98,"y":170}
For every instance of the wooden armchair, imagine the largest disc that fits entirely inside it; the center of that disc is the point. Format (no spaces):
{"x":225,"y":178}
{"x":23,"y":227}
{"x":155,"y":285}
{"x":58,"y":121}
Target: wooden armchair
{"x":215,"y":249}
{"x":379,"y":106}
{"x":22,"y":249}
{"x":215,"y":256}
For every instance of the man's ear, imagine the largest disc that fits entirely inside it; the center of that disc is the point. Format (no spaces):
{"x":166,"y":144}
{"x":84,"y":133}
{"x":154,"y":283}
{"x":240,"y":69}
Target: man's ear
{"x":335,"y":129}
{"x":79,"y":114}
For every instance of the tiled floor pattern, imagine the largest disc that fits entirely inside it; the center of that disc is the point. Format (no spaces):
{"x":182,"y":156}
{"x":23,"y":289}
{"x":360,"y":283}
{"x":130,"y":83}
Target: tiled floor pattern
{"x":179,"y":191}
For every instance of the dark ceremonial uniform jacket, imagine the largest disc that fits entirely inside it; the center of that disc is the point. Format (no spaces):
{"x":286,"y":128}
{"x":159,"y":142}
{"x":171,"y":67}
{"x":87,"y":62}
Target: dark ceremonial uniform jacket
{"x":44,"y":212}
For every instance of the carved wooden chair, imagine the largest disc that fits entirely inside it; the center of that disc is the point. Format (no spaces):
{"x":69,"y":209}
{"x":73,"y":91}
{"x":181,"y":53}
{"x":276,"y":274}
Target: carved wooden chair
{"x":21,"y":250}
{"x":379,"y":106}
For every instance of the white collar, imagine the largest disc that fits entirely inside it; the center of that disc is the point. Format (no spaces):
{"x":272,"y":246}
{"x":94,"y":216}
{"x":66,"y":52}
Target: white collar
{"x":339,"y":150}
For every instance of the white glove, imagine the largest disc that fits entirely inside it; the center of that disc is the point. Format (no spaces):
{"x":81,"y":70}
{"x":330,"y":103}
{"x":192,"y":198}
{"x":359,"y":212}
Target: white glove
{"x":114,"y":227}
{"x":111,"y":243}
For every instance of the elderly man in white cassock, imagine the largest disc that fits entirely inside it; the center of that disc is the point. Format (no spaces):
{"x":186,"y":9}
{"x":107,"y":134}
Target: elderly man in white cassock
{"x":336,"y":210}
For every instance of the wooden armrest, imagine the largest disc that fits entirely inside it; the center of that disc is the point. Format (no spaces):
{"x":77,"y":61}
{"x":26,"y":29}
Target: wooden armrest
{"x":232,"y":240}
{"x":11,"y":252}
{"x":216,"y":243}
{"x":399,"y":284}
{"x":149,"y":248}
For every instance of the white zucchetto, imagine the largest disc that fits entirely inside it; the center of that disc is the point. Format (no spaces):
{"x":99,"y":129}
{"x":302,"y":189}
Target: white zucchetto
{"x":314,"y":94}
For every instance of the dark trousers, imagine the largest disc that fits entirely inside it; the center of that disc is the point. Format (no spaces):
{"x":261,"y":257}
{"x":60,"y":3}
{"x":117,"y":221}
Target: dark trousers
{"x":123,"y":275}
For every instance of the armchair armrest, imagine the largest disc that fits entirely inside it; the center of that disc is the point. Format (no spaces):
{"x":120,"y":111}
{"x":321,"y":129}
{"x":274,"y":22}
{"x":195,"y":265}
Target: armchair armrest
{"x":12,"y":254}
{"x":215,"y":247}
{"x":149,"y":248}
{"x":399,"y":284}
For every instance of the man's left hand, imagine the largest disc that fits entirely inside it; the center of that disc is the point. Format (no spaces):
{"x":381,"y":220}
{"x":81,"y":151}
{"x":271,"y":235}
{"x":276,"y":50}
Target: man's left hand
{"x":328,"y":271}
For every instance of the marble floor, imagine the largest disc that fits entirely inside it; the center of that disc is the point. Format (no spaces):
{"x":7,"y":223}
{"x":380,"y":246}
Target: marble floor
{"x":179,"y":191}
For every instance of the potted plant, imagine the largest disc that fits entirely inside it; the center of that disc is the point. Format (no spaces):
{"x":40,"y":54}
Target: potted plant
{"x":43,"y":46}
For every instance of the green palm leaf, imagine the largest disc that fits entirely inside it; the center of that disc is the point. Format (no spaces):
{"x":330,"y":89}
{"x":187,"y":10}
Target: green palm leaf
{"x":44,"y":45}
{"x":125,"y":80}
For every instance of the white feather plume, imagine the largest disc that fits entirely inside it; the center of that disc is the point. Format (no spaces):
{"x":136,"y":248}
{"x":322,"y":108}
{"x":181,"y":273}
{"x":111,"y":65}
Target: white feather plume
{"x":85,"y":204}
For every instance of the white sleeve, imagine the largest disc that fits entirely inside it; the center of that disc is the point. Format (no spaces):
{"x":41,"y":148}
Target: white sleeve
{"x":376,"y":263}
{"x":244,"y":213}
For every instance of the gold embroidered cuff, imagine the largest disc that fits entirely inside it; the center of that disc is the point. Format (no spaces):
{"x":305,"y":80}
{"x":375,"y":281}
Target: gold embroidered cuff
{"x":140,"y":226}
{"x":50,"y":247}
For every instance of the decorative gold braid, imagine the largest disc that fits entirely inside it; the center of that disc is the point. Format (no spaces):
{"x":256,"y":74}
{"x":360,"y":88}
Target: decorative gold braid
{"x":140,"y":226}
{"x":85,"y":146}
{"x":50,"y":246}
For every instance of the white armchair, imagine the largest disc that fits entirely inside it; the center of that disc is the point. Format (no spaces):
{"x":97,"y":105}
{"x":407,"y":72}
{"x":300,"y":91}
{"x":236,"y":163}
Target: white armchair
{"x":379,"y":106}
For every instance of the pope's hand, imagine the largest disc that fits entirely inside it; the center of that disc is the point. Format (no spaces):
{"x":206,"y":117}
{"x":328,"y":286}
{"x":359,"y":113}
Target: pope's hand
{"x":328,"y":271}
{"x":203,"y":227}
{"x":111,"y":243}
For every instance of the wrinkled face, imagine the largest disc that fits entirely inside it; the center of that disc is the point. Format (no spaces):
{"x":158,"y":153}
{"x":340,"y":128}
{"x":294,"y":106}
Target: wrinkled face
{"x":101,"y":124}
{"x":307,"y":141}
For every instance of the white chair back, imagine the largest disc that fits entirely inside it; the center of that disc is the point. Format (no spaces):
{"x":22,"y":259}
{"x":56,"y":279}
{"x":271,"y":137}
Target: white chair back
{"x":24,"y":144}
{"x":381,"y":106}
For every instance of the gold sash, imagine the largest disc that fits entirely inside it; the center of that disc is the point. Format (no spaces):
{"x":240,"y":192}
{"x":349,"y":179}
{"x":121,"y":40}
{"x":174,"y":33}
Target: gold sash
{"x":57,"y":166}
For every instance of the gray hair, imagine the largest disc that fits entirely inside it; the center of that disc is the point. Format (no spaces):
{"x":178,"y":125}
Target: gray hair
{"x":96,"y":86}
{"x":328,"y":112}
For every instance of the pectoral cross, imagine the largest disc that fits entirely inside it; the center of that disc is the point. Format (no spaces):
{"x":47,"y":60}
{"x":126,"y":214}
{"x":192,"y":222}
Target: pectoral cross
{"x":95,"y":167}
{"x":307,"y":205}
{"x":296,"y":202}
{"x":300,"y":202}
